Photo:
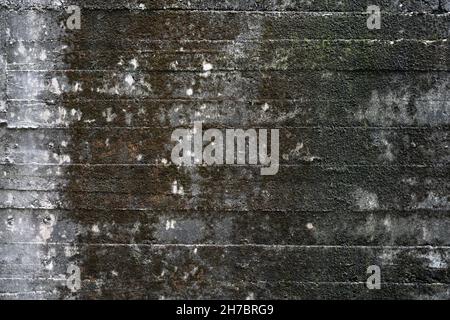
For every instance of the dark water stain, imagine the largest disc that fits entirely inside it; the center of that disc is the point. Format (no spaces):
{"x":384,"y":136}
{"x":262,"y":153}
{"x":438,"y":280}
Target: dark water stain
{"x":132,"y":271}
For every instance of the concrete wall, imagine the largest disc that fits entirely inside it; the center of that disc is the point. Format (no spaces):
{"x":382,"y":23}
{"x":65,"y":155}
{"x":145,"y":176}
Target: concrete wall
{"x":88,"y":191}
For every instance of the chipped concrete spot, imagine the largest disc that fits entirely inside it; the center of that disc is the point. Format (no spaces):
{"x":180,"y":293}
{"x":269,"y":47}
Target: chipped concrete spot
{"x":77,"y":87}
{"x":133,"y":62}
{"x":188,"y":231}
{"x":55,"y":87}
{"x":250,"y":296}
{"x":207,"y":66}
{"x":129,"y":79}
{"x":70,"y":251}
{"x":95,"y":228}
{"x":49,"y":266}
{"x":46,"y":228}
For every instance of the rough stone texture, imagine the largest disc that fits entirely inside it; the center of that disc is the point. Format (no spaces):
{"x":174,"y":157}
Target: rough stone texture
{"x":85,"y":175}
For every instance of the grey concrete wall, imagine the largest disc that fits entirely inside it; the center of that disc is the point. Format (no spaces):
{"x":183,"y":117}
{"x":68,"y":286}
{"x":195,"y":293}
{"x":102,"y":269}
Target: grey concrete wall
{"x":87,"y":185}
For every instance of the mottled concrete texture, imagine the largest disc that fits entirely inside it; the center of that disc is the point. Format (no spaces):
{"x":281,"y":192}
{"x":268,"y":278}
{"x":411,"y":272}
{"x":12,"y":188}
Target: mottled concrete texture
{"x":88,"y":191}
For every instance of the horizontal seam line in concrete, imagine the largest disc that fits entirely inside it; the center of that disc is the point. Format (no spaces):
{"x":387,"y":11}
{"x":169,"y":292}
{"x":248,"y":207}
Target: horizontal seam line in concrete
{"x":434,"y":128}
{"x":117,"y":193}
{"x":264,"y":246}
{"x":144,"y":99}
{"x":318,"y":13}
{"x":226,"y":72}
{"x":257,"y":281}
{"x":401,"y":213}
{"x":223,"y":71}
{"x":325,"y":166}
{"x":233,"y":41}
{"x":32,"y":279}
{"x":412,"y":211}
{"x":237,"y":70}
{"x":9,"y":294}
{"x":438,"y":127}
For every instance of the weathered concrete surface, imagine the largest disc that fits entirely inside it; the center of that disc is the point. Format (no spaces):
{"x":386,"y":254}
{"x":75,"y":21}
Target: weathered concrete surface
{"x":86,"y":181}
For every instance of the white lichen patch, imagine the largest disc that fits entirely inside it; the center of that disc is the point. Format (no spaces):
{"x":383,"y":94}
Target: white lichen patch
{"x":365,"y":200}
{"x":43,"y":55}
{"x":128,"y":85}
{"x":394,"y":107}
{"x":388,"y":257}
{"x":70,"y":251}
{"x":62,"y":158}
{"x":436,"y":260}
{"x":433,"y":201}
{"x":109,"y":115}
